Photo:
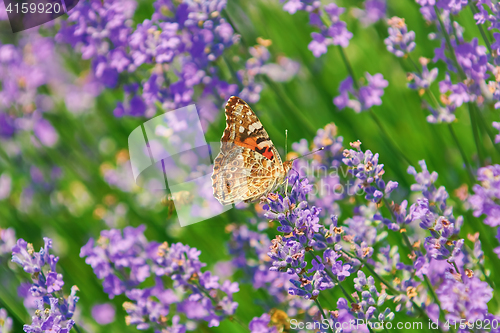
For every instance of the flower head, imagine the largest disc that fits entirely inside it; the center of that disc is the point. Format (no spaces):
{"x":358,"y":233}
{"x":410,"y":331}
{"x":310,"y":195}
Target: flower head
{"x":400,"y":40}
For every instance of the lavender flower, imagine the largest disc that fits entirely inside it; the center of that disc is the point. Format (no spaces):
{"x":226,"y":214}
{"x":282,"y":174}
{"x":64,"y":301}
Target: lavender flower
{"x":496,"y":125}
{"x":304,"y":232}
{"x":5,"y":322}
{"x":125,"y":260}
{"x":191,"y":34}
{"x":260,"y":64}
{"x":365,"y":167}
{"x":485,"y":198}
{"x":26,"y":67}
{"x":7,"y":127}
{"x":365,"y":97}
{"x":332,"y":33}
{"x":46,"y":288}
{"x":436,"y":216}
{"x":7,"y":240}
{"x":126,"y":251}
{"x":374,"y":11}
{"x":261,"y":325}
{"x":103,"y":314}
{"x":469,"y":298}
{"x":49,"y":319}
{"x":400,"y":40}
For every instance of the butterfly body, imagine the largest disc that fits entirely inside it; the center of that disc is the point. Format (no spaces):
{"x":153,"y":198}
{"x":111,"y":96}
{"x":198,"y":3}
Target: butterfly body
{"x":248,"y":165}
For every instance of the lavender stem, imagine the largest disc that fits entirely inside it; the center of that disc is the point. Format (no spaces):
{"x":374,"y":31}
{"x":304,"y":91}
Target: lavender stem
{"x":323,"y":314}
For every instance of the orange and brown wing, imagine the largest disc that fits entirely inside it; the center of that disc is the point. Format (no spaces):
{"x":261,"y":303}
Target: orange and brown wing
{"x":244,"y":129}
{"x":248,"y":165}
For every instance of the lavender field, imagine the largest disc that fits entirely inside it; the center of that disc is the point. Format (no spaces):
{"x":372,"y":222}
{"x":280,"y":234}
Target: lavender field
{"x":392,"y":227}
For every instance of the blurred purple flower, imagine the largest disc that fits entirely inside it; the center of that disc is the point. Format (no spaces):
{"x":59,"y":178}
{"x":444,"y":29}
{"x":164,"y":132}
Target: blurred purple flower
{"x":334,"y":33}
{"x":496,"y":125}
{"x":5,"y":321}
{"x":423,"y":80}
{"x":24,"y":292}
{"x":46,"y":133}
{"x":470,"y":297}
{"x":319,"y":44}
{"x":7,"y":240}
{"x":7,"y":128}
{"x":125,"y":260}
{"x":374,"y":11}
{"x":339,"y":33}
{"x":262,"y":325}
{"x":103,"y":314}
{"x":365,"y":97}
{"x":400,"y":40}
{"x":486,"y":195}
{"x":454,"y":6}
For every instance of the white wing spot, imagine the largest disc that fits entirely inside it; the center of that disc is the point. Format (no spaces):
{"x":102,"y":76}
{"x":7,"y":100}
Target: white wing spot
{"x":242,"y":129}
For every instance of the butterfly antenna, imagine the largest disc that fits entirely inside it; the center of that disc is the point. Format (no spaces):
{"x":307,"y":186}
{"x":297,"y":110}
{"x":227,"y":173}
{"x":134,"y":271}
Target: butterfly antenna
{"x":313,"y":152}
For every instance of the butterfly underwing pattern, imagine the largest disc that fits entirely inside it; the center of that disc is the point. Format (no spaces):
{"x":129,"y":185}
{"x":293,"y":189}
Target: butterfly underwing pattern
{"x":248,"y":165}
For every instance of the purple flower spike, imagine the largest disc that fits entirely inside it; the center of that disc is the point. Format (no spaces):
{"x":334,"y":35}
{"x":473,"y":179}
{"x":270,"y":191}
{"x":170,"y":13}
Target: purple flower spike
{"x":25,"y":255}
{"x":126,"y":259}
{"x":45,"y":289}
{"x":400,"y":40}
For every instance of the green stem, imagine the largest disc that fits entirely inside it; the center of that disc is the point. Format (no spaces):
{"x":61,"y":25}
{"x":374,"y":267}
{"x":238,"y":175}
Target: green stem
{"x":334,"y":279}
{"x":414,"y":64}
{"x":436,"y":299}
{"x":323,"y":314}
{"x":372,"y":271}
{"x":458,"y":272}
{"x":475,"y":132}
{"x":486,"y":277}
{"x":480,"y":27}
{"x":76,"y":328}
{"x":348,"y":66}
{"x":372,"y":114}
{"x":233,"y":72}
{"x":462,"y":77}
{"x":12,"y":312}
{"x":214,"y":302}
{"x":437,"y":105}
{"x":462,"y":153}
{"x":486,"y":128}
{"x":448,"y":43}
{"x":289,"y":104}
{"x":392,"y":143}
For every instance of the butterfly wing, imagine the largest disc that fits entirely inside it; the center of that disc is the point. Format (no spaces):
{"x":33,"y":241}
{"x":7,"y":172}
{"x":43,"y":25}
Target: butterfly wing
{"x":244,"y":129}
{"x":248,"y":165}
{"x":242,"y":175}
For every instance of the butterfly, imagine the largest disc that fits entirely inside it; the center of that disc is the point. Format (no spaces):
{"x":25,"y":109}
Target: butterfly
{"x":248,"y":165}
